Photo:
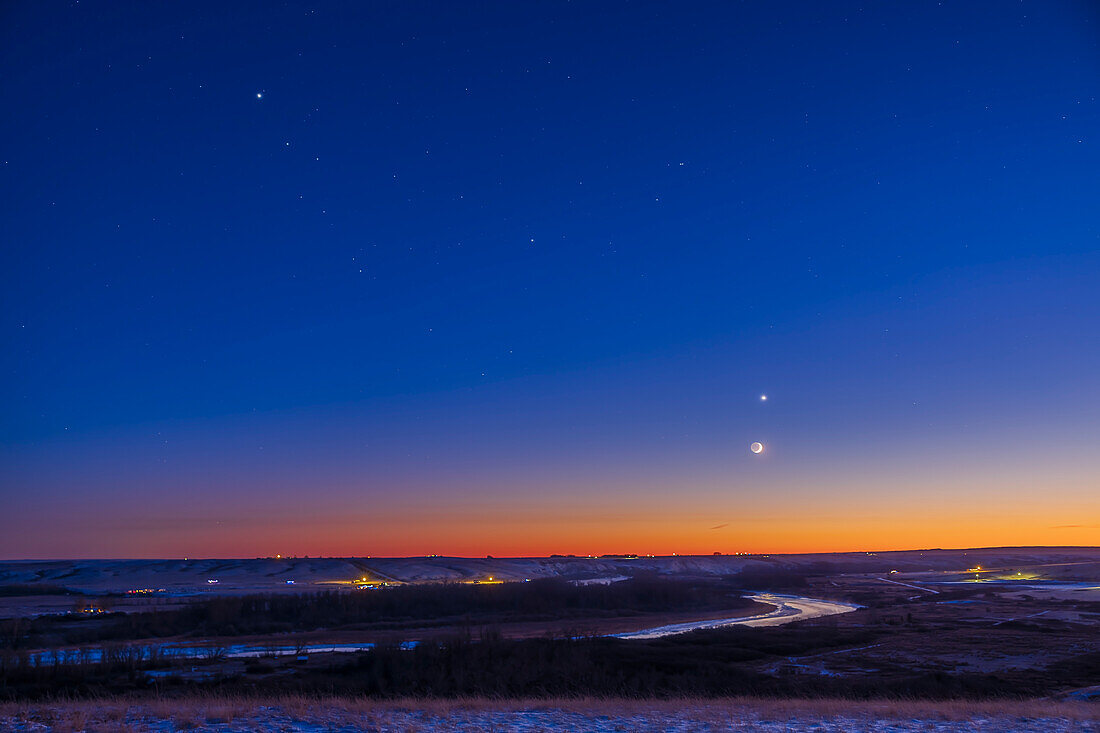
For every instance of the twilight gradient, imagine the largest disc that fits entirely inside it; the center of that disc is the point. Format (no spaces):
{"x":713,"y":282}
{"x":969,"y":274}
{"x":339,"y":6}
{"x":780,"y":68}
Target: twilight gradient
{"x":510,"y":278}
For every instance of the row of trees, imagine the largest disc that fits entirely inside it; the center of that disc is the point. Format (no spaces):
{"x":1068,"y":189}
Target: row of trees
{"x":709,"y":663}
{"x":390,"y":608}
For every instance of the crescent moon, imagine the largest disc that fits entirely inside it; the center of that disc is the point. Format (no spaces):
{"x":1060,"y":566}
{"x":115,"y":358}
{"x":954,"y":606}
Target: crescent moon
{"x":757,"y":447}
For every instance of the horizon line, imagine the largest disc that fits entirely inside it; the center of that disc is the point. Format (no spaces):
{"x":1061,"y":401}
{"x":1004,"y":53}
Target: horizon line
{"x":605,"y":555}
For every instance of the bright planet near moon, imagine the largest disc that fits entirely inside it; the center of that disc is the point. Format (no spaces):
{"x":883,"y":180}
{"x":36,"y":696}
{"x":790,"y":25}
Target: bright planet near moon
{"x":757,"y":447}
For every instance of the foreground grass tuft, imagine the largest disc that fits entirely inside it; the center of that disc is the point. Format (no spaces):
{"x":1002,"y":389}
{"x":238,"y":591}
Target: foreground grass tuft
{"x":306,"y":713}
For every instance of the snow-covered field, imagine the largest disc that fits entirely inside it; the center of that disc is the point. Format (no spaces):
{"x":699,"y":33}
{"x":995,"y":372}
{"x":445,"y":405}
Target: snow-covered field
{"x":192,"y":576}
{"x":695,"y":716}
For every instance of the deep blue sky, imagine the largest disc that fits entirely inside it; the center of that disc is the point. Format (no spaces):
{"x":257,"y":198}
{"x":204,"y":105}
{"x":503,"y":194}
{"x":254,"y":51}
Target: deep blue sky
{"x":343,"y":263}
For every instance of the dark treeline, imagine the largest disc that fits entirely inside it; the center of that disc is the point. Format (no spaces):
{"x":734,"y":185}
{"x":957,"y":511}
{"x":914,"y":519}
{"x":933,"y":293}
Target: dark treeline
{"x":382,"y":609}
{"x":34,"y":589}
{"x":709,"y":664}
{"x":769,"y":578}
{"x":110,"y":668}
{"x":716,"y":663}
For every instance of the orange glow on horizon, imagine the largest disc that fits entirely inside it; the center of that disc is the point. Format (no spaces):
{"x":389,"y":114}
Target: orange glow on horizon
{"x":403,"y":536}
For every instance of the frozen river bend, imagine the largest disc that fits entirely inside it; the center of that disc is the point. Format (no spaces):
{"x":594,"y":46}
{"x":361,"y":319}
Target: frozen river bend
{"x":787,"y":609}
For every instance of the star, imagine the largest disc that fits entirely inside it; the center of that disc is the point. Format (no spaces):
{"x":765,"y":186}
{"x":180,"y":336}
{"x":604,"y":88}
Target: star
{"x":259,"y":95}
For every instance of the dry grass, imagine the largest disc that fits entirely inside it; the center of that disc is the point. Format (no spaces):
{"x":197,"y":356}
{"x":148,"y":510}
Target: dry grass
{"x":195,"y":711}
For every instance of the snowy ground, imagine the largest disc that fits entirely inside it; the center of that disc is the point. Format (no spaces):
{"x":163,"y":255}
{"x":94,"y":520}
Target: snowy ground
{"x":347,"y":716}
{"x":179,"y":577}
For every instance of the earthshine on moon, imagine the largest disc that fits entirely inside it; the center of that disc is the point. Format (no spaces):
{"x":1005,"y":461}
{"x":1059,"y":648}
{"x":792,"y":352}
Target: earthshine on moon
{"x":757,"y":447}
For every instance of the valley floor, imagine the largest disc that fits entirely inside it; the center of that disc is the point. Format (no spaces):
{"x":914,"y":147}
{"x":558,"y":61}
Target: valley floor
{"x":345,"y":715}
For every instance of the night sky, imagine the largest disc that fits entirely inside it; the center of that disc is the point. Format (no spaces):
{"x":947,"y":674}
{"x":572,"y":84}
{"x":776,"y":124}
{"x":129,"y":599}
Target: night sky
{"x":399,"y":278}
